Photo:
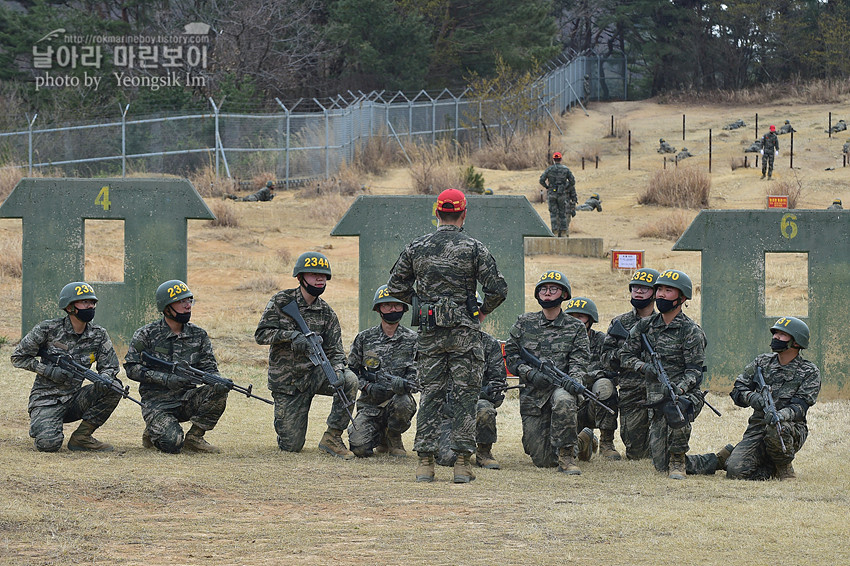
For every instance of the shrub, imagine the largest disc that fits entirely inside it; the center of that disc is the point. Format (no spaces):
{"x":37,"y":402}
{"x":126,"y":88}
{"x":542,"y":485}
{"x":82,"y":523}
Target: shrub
{"x":736,"y":163}
{"x":376,"y":155}
{"x":473,"y":181}
{"x":225,"y":215}
{"x":262,"y":284}
{"x":435,"y":168}
{"x":11,"y":264}
{"x":670,"y":227}
{"x":208,"y":186}
{"x":347,"y":182}
{"x":682,"y":187}
{"x":528,"y":151}
{"x":792,"y":189}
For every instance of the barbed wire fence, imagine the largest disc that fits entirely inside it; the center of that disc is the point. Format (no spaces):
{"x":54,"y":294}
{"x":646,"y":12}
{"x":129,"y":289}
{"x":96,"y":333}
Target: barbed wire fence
{"x":305,"y":140}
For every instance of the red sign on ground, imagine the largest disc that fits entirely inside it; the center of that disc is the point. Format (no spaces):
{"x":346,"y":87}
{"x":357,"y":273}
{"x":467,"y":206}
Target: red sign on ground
{"x":777,"y":201}
{"x":626,"y":259}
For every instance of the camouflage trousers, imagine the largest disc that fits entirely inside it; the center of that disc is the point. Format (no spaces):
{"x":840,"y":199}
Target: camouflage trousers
{"x":759,"y":452}
{"x":448,"y":358}
{"x":560,"y":210}
{"x":292,"y":409}
{"x":374,"y":422}
{"x":592,"y":416}
{"x":485,"y":432}
{"x":634,"y":422}
{"x":701,"y":464}
{"x":548,"y":428}
{"x":201,"y":405}
{"x":86,"y":404}
{"x":664,"y":440}
{"x":767,"y":163}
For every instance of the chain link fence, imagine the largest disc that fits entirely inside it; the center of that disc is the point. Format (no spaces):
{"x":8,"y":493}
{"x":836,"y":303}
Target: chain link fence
{"x":310,"y":139}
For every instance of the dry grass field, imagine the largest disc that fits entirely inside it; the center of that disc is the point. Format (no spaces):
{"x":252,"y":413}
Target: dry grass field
{"x":254,"y":505}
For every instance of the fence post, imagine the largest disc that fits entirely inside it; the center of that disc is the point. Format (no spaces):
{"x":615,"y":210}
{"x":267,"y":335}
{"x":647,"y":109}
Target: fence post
{"x":830,"y":125}
{"x":709,"y":151}
{"x":630,"y":150}
{"x":791,"y":151}
{"x":217,"y":136}
{"x":327,"y":138}
{"x":123,"y":139}
{"x":612,"y":125}
{"x":683,"y":127}
{"x":29,"y":127}
{"x":757,"y":125}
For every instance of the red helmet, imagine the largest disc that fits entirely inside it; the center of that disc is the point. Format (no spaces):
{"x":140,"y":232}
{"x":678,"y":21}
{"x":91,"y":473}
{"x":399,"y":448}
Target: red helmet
{"x":556,"y":156}
{"x":772,"y":128}
{"x":451,"y":200}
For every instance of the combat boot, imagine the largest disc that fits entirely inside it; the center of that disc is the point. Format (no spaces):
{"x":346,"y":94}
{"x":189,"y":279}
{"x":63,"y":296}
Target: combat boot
{"x":383,"y":447}
{"x":396,"y":445}
{"x":723,"y":455}
{"x":81,"y":440}
{"x":332,"y":443}
{"x":194,"y":442}
{"x":484,"y":458}
{"x":425,"y":470}
{"x":146,"y":439}
{"x":606,"y":445}
{"x":588,"y":444}
{"x":676,"y":470}
{"x":785,"y":472}
{"x":463,"y":468}
{"x":566,"y":461}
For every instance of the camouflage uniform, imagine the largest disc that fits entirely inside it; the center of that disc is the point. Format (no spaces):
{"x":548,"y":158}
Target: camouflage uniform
{"x":786,"y":128}
{"x":549,"y":414}
{"x":446,"y":266}
{"x":839,"y":127}
{"x":684,"y":154}
{"x":755,"y":147}
{"x":560,"y":185}
{"x":795,"y":385}
{"x":52,"y":404}
{"x":485,"y":421}
{"x":846,"y":147}
{"x":835,"y":206}
{"x":590,"y":414}
{"x":293,"y":379}
{"x":162,"y":408}
{"x":592,"y":203}
{"x":665,"y":147}
{"x":390,"y":414}
{"x":681,"y":350}
{"x":263,"y":195}
{"x":770,"y":145}
{"x":734,"y":125}
{"x":634,"y":416}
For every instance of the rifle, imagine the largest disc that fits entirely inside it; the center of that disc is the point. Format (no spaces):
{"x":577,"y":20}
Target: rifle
{"x":559,"y":378}
{"x":617,"y":330}
{"x":709,"y":405}
{"x":318,"y":357}
{"x":372,"y":372}
{"x":81,"y":372}
{"x":662,"y":375}
{"x":199,"y":377}
{"x":769,"y":405}
{"x":501,"y":388}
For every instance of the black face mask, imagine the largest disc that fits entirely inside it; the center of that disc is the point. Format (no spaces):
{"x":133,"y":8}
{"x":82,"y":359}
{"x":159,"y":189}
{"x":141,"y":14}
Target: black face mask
{"x":666,"y":305}
{"x":85,"y":315}
{"x":392,"y":317}
{"x":314,"y":291}
{"x":550,"y":304}
{"x":778,"y":345}
{"x":642,"y":303}
{"x":182,"y":317}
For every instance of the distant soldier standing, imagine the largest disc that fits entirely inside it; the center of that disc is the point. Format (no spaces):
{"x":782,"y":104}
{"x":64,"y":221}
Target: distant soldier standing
{"x":383,"y":412}
{"x":167,"y":398}
{"x":56,"y":396}
{"x":560,"y":185}
{"x":293,"y":378}
{"x":446,"y":266}
{"x":680,"y":345}
{"x":634,"y":416}
{"x":770,"y":147}
{"x":795,"y":384}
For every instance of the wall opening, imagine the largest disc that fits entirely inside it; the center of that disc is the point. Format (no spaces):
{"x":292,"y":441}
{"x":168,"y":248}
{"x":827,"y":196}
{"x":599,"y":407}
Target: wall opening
{"x":104,"y":259}
{"x":786,"y":284}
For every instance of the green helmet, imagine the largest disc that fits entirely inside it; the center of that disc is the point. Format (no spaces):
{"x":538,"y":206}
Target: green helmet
{"x":554,"y":277}
{"x":312,"y":262}
{"x":645,"y":277}
{"x":798,"y":329}
{"x":381,"y":296}
{"x":171,"y":292}
{"x":583,"y":305}
{"x":676,"y":279}
{"x":76,"y":291}
{"x":270,"y":184}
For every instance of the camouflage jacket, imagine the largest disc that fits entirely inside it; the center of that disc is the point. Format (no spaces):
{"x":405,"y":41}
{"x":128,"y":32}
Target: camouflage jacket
{"x":611,"y":352}
{"x":680,"y":346}
{"x":494,"y":362}
{"x":192,"y":346}
{"x":397,"y":355}
{"x":290,"y":372}
{"x":795,"y":384}
{"x":263,"y":195}
{"x":563,"y":341}
{"x":446,"y":267}
{"x":57,"y":336}
{"x":771,"y":142}
{"x":558,"y":177}
{"x":595,"y":367}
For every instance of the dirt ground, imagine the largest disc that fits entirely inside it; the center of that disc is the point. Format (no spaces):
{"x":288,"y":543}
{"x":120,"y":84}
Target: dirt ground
{"x":255,"y":505}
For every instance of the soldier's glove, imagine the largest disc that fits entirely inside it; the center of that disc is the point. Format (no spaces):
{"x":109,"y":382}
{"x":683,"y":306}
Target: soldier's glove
{"x":175,"y":382}
{"x":571,"y":387}
{"x":487,"y":391}
{"x":376,"y":390}
{"x":299,"y":343}
{"x":222,"y":388}
{"x":398,"y":385}
{"x":647,"y":371}
{"x":55,"y":374}
{"x":786,"y":414}
{"x":102,"y":387}
{"x":573,"y":212}
{"x":754,"y":400}
{"x":538,"y":379}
